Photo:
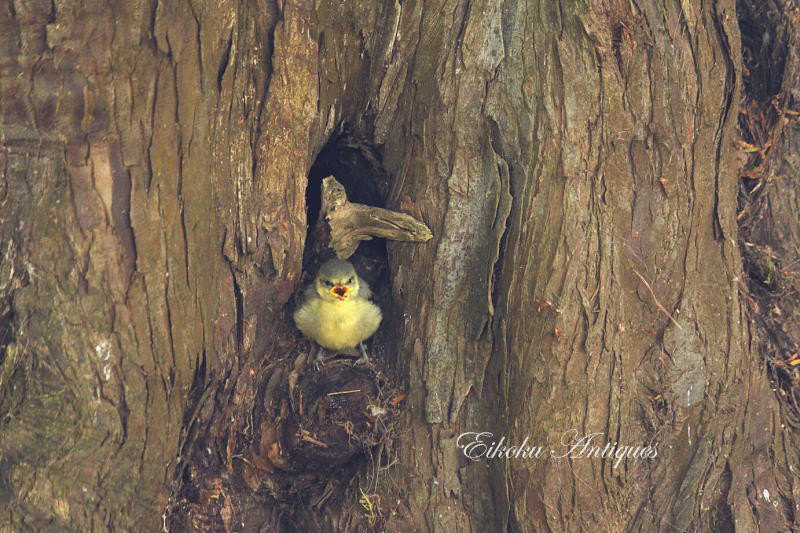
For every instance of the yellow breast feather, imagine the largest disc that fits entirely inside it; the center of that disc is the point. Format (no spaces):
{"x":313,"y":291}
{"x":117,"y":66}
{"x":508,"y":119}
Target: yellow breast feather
{"x":338,"y":325}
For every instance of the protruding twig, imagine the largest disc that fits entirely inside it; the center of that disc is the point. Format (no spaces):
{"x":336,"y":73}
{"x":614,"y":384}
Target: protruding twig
{"x":350,"y":223}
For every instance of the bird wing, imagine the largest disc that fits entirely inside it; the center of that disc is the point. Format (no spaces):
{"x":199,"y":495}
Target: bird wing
{"x":363,"y":288}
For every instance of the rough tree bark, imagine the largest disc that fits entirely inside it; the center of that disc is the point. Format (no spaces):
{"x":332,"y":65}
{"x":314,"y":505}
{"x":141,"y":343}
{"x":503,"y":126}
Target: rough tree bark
{"x":575,"y":163}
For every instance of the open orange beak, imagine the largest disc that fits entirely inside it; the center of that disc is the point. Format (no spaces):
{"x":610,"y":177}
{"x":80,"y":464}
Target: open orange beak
{"x":339,"y":291}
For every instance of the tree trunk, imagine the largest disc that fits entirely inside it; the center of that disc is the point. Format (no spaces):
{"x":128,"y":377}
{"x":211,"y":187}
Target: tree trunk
{"x":576,"y":164}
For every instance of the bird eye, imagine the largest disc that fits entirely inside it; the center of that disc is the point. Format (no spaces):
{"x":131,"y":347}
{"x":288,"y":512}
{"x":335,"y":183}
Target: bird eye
{"x":327,"y":283}
{"x":350,"y":281}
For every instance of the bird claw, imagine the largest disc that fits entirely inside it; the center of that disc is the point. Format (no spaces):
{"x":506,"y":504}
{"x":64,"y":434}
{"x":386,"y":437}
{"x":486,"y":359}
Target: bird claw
{"x":319,"y":360}
{"x":364,"y":359}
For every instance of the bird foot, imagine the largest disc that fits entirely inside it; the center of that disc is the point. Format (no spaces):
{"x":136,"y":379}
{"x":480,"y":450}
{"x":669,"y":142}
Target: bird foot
{"x":319,"y":360}
{"x":364,"y":359}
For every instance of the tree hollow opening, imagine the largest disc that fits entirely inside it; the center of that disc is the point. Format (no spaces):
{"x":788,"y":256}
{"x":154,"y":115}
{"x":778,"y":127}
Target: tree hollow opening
{"x":357,"y":165}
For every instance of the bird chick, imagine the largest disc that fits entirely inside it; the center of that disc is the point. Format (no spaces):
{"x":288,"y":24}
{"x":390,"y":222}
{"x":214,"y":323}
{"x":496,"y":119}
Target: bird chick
{"x":336,"y":311}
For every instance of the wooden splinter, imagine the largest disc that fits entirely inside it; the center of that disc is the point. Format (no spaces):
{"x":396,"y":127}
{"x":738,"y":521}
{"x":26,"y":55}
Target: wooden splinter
{"x":350,"y":223}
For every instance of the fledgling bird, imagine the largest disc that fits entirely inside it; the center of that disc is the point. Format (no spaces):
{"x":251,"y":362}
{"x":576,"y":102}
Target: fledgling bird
{"x":336,"y":311}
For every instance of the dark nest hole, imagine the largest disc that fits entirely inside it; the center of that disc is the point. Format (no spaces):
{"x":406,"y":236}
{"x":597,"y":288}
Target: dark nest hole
{"x":358,"y":166}
{"x":773,"y":278}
